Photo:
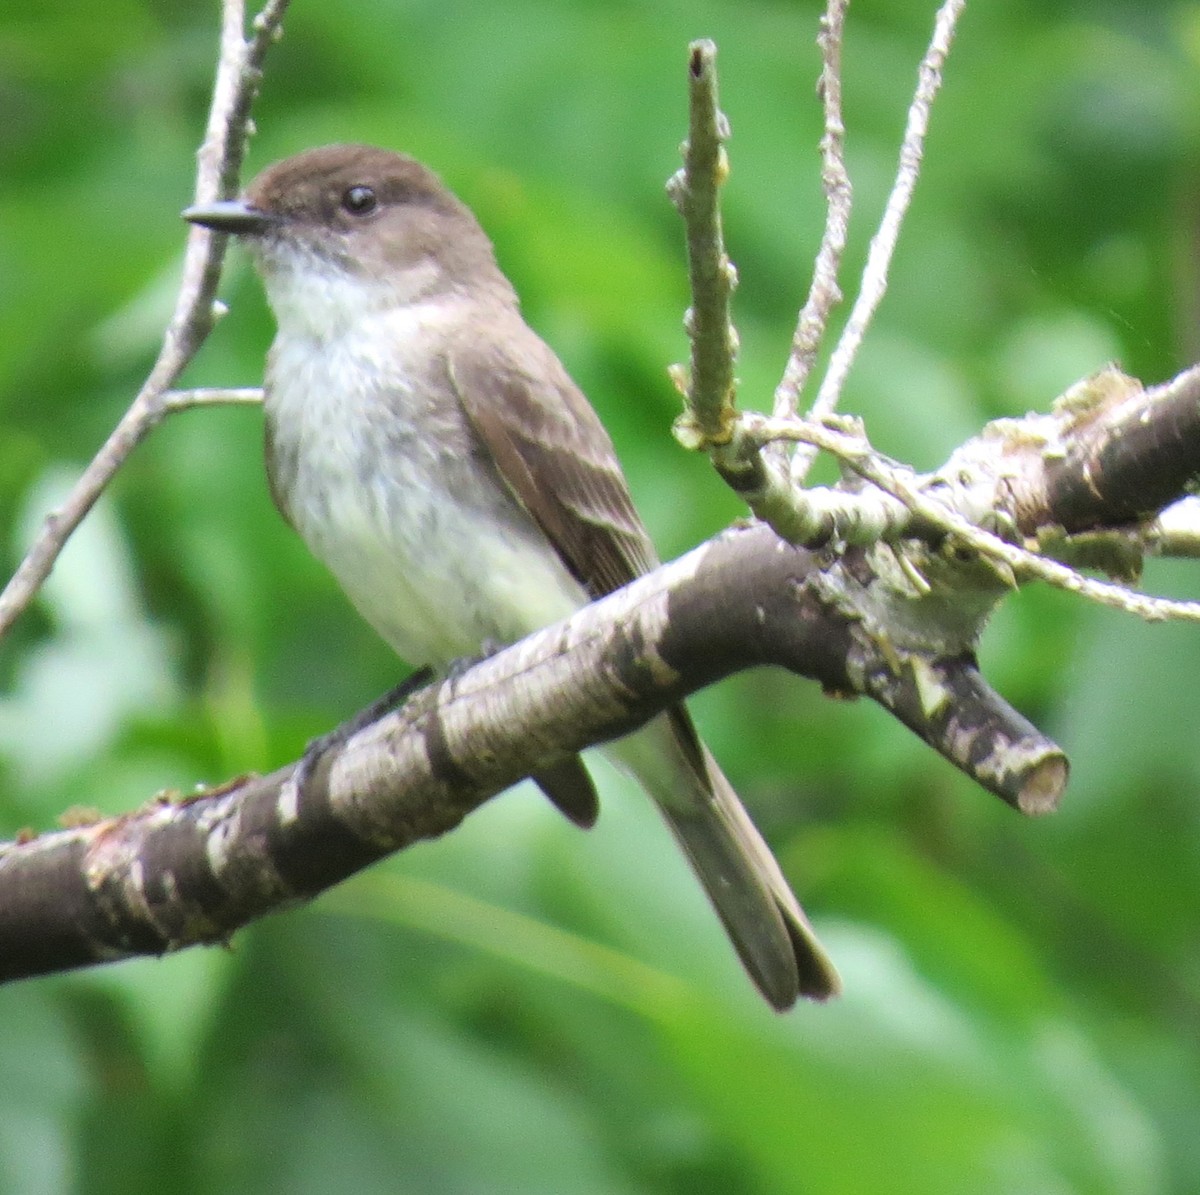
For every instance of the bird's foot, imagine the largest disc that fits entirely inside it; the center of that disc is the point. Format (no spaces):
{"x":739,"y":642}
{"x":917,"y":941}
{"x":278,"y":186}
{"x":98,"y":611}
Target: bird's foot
{"x":456,"y":669}
{"x":340,"y":735}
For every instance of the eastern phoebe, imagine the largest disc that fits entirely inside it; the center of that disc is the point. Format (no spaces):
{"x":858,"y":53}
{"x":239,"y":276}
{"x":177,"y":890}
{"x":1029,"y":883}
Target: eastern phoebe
{"x":434,"y":453}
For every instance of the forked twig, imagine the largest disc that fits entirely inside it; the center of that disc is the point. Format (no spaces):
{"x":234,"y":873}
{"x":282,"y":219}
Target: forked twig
{"x":857,"y":455}
{"x":219,"y":164}
{"x":874,"y":281}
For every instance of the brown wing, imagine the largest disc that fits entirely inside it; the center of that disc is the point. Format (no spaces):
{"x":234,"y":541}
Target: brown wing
{"x":552,"y":451}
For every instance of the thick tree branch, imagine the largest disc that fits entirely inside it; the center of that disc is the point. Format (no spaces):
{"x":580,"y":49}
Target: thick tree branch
{"x":181,"y":872}
{"x":1113,"y":453}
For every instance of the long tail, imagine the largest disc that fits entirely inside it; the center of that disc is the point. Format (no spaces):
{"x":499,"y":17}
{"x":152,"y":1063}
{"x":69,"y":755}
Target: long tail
{"x":760,"y":913}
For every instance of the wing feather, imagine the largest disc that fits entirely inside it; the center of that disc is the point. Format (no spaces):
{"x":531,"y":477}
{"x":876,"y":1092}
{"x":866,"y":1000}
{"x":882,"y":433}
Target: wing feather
{"x":553,"y":453}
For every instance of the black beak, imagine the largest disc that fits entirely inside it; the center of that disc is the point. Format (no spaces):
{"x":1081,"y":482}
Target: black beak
{"x":229,"y":215}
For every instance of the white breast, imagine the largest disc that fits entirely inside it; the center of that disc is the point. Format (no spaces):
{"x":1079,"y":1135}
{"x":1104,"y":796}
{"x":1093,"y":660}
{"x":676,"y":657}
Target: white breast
{"x":435,"y":555}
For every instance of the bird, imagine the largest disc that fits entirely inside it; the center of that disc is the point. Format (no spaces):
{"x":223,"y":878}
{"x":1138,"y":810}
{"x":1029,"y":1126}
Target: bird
{"x":433,"y":451}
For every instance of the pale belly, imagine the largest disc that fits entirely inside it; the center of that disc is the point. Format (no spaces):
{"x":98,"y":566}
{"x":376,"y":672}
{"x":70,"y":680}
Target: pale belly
{"x":433,"y":578}
{"x":389,"y":492}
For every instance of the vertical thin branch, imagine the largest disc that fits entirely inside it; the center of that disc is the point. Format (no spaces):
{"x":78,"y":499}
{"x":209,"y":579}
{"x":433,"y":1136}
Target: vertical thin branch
{"x":824,"y":294}
{"x":710,"y":388}
{"x":883,"y":244}
{"x":219,"y":165}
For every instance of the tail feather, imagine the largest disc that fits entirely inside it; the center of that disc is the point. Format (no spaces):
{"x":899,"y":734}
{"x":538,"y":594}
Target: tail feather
{"x":818,"y":977}
{"x":743,"y":881}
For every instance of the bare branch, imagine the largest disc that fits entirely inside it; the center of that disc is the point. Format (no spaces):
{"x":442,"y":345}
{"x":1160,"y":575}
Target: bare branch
{"x":711,"y":421}
{"x":186,"y":871}
{"x":824,"y":293}
{"x":1022,"y":564}
{"x":1101,"y":459}
{"x":220,"y":159}
{"x":879,"y":258}
{"x":1117,"y":453}
{"x":709,"y":388}
{"x":209,"y":396}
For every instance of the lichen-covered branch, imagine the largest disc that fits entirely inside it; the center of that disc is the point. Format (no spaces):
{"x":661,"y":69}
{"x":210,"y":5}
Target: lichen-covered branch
{"x":709,"y":385}
{"x":1119,"y":453}
{"x":982,"y":494}
{"x":186,"y":871}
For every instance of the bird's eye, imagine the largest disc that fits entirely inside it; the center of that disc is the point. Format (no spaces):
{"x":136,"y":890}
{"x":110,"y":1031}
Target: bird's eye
{"x":359,"y":200}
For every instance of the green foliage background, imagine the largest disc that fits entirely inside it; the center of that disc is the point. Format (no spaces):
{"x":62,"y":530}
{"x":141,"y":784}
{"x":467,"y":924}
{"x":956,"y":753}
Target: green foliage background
{"x":522,"y":1008}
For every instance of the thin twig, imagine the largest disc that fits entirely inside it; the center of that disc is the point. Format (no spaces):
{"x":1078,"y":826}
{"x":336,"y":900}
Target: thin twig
{"x":883,"y":244}
{"x":210,"y":396}
{"x":219,"y":165}
{"x":695,"y":190}
{"x":824,"y":294}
